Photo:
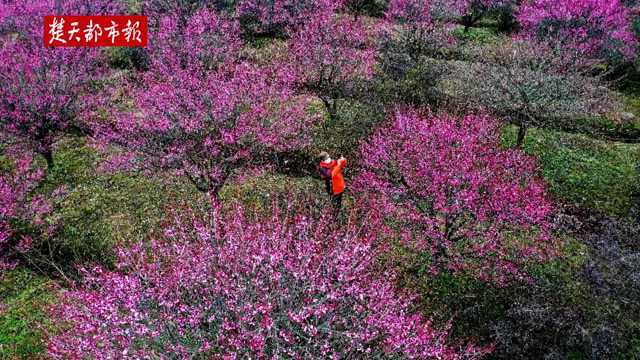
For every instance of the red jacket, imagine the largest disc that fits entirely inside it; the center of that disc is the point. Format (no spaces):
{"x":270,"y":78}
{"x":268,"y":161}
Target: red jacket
{"x":337,"y":181}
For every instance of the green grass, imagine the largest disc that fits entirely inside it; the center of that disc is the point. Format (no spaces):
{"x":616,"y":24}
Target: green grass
{"x":24,"y":298}
{"x":261,"y":192}
{"x":601,"y":175}
{"x":482,"y":35}
{"x":632,"y":105}
{"x":342,"y":136}
{"x":99,"y":211}
{"x":630,"y":90}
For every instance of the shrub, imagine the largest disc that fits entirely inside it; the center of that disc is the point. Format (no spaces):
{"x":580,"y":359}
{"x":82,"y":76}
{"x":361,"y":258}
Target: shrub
{"x":588,"y":302}
{"x":22,"y":215}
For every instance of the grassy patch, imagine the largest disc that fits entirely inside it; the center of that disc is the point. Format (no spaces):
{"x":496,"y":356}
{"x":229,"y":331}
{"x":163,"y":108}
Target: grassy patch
{"x":24,"y":298}
{"x":599,"y":174}
{"x":342,"y":136}
{"x":632,"y":105}
{"x":98,"y":211}
{"x":482,"y":35}
{"x":261,"y":192}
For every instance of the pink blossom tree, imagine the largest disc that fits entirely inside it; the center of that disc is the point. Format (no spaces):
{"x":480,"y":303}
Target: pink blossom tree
{"x":450,"y":190}
{"x":290,"y":286}
{"x":41,"y":87}
{"x":598,"y":28}
{"x":409,"y":11}
{"x":329,"y":56}
{"x":531,"y":84}
{"x":257,"y":17}
{"x":182,"y":9}
{"x":202,"y":110}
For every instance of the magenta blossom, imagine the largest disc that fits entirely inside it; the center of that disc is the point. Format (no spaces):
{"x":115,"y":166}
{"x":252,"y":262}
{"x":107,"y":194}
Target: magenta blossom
{"x":41,"y":87}
{"x":18,"y":209}
{"x":598,"y":28}
{"x":329,"y":55}
{"x":289,"y":286}
{"x":273,"y":16}
{"x":204,"y":111}
{"x":451,"y":191}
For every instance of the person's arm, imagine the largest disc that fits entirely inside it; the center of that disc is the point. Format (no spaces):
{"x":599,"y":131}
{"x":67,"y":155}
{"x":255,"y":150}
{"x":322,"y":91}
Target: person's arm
{"x":342,"y":162}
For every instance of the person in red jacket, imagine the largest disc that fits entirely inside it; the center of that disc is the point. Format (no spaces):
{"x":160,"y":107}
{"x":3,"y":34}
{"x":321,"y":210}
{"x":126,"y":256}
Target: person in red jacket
{"x":331,"y":172}
{"x":324,"y":168}
{"x":337,"y":183}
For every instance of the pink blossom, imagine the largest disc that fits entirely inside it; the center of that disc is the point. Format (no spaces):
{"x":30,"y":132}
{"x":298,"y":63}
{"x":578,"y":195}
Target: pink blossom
{"x":597,"y":28}
{"x":18,"y":208}
{"x":202,"y":110}
{"x":453,"y":192}
{"x":287,"y":286}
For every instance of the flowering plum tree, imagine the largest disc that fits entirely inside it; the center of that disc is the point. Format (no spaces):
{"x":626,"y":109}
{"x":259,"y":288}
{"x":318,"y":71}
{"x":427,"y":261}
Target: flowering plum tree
{"x":598,"y":28}
{"x":409,"y":11}
{"x":329,"y":56}
{"x":18,"y":210}
{"x":453,"y":193}
{"x":257,"y":17}
{"x":201,"y":110}
{"x":288,"y":286}
{"x":41,"y":87}
{"x":407,"y":51}
{"x":532,"y":84}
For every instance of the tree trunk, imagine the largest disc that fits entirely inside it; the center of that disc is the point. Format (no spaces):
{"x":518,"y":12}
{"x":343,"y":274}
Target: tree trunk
{"x":215,"y":191}
{"x":48,"y":156}
{"x":332,"y":108}
{"x":466,"y":22}
{"x":522,"y":132}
